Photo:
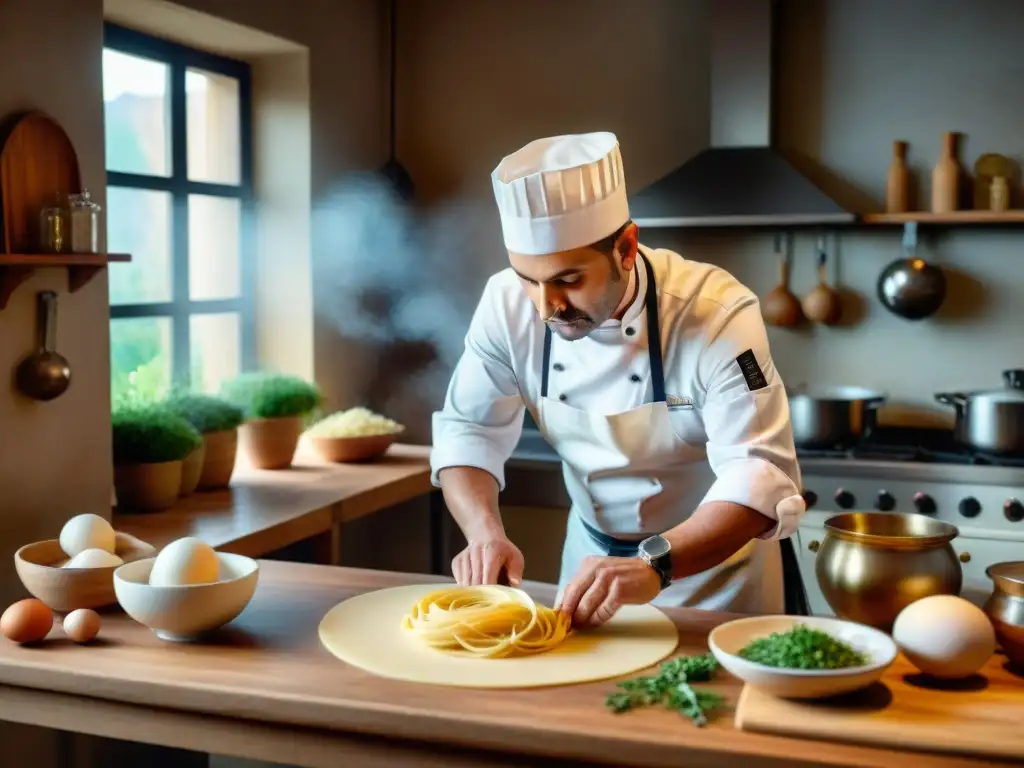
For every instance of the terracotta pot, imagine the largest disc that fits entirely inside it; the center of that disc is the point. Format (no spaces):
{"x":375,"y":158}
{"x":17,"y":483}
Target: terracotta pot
{"x":270,"y":443}
{"x":191,"y":469}
{"x":218,"y":459}
{"x":147,"y":487}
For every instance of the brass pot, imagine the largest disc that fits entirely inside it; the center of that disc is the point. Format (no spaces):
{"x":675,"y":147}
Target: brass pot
{"x":1005,"y":608}
{"x":872,"y":565}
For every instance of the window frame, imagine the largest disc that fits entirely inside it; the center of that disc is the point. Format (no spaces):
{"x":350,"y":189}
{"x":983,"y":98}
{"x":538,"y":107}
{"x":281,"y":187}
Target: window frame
{"x":181,"y":308}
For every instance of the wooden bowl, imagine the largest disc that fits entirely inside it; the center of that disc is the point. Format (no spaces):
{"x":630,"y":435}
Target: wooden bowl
{"x":68,"y":589}
{"x":344,"y":449}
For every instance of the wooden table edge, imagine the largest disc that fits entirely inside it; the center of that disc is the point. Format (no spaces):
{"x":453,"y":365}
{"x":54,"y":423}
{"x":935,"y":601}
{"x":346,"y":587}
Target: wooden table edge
{"x":231,"y":737}
{"x":341,"y":720}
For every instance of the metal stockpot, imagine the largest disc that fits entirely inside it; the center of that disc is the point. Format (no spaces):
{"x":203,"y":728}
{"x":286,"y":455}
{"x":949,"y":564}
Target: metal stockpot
{"x":991,"y":421}
{"x":833,"y":416}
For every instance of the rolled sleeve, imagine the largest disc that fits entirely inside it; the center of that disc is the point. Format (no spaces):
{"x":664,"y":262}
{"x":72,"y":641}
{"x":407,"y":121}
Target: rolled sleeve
{"x":746,"y":416}
{"x":482,"y":418}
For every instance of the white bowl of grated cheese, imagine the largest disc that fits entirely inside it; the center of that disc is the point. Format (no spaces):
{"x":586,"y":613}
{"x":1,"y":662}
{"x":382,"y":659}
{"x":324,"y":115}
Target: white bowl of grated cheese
{"x":357,"y":434}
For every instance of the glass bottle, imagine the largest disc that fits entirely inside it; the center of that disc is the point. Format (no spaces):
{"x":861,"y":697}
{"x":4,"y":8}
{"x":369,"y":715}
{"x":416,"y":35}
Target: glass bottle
{"x":85,"y":227}
{"x":53,"y":227}
{"x":999,"y":194}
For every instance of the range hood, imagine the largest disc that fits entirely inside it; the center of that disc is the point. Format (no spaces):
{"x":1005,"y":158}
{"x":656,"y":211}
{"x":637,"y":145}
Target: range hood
{"x":741,"y":180}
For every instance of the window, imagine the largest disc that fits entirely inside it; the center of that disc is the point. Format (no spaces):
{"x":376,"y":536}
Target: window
{"x":179,"y":199}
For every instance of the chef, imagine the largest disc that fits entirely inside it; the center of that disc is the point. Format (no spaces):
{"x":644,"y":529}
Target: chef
{"x":638,"y":366}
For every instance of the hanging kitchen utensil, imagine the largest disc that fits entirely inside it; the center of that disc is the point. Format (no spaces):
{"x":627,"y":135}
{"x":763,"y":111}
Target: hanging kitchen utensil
{"x":46,"y":374}
{"x":910,"y":287}
{"x":780,"y":307}
{"x":38,"y":164}
{"x":396,"y":174}
{"x":822,"y":304}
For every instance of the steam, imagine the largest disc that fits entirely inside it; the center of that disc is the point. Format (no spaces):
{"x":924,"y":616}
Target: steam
{"x":399,"y":283}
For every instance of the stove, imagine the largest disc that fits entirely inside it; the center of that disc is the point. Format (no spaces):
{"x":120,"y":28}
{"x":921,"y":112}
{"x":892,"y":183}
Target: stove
{"x":922,"y":471}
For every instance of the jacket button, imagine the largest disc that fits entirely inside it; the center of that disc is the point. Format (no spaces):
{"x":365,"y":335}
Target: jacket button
{"x":558,"y":367}
{"x":630,"y":331}
{"x":562,"y":397}
{"x":634,"y":378}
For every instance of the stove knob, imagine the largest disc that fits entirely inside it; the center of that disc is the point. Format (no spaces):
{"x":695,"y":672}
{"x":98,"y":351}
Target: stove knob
{"x":924,"y":503}
{"x":845,"y":499}
{"x":1013,"y":510}
{"x":810,"y":498}
{"x":885,"y":501}
{"x":970,"y":507}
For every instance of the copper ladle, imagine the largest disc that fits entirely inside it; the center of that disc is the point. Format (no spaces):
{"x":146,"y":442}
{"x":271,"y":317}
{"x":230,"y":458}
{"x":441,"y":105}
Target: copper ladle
{"x":45,"y":375}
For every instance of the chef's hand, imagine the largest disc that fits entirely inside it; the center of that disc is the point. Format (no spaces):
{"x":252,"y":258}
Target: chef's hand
{"x":603,"y":584}
{"x":481,"y":562}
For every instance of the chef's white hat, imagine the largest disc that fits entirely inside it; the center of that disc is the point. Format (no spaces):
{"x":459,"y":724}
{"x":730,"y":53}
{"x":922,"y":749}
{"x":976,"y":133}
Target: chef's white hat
{"x":560,"y":193}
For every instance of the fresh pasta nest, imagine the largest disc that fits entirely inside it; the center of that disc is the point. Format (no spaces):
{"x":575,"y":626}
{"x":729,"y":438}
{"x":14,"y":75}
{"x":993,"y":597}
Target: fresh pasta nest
{"x":486,"y":621}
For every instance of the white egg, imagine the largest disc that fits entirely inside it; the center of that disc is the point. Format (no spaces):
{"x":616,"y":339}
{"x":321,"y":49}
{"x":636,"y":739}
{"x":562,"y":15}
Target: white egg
{"x":82,"y":625}
{"x":183,"y":562}
{"x":945,"y":636}
{"x":87,"y":531}
{"x":93,"y":558}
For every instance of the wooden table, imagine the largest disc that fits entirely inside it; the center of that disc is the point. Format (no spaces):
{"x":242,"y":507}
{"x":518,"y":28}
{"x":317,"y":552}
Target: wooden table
{"x":264,"y":688}
{"x":266,"y":510}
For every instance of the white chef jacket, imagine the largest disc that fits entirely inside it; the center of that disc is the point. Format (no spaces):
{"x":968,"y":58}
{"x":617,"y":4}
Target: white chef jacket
{"x":708,"y":319}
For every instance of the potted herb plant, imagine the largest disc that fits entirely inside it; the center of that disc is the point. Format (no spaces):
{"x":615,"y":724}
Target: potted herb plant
{"x":274,"y":406}
{"x":149,"y":444}
{"x":211,"y":465}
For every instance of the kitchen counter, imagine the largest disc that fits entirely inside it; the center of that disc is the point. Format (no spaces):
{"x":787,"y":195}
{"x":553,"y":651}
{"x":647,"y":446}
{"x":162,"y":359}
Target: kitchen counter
{"x":264,"y":688}
{"x":266,"y":510}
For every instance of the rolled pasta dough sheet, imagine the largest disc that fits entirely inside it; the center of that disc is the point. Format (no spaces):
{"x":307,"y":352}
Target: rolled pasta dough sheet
{"x":366,"y":632}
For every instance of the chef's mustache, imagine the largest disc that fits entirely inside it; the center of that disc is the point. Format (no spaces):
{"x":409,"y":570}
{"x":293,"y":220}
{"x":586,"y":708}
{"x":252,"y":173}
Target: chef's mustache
{"x":569,"y":317}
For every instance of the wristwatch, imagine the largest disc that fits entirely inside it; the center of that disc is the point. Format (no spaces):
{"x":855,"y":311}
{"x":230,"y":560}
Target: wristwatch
{"x":657,"y":553}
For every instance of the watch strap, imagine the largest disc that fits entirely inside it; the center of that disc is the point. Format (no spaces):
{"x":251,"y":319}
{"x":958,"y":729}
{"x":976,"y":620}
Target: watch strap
{"x":662,"y":565}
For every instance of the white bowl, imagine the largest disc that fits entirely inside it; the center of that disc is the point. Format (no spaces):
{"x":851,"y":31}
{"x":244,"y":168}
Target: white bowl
{"x":726,"y":641}
{"x":187,"y":612}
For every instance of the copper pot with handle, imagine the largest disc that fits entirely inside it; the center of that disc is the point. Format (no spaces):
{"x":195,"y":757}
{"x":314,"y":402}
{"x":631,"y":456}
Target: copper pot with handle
{"x":1005,"y":608}
{"x":872,"y":565}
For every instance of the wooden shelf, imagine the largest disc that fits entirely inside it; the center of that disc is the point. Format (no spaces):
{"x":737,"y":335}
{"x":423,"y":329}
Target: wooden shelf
{"x":956,"y":218}
{"x":16,"y":268}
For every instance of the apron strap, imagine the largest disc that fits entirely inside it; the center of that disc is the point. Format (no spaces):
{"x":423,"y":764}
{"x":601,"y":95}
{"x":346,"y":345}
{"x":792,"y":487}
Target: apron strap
{"x":546,"y":362}
{"x":654,"y":335}
{"x":615,"y":547}
{"x":653,"y":340}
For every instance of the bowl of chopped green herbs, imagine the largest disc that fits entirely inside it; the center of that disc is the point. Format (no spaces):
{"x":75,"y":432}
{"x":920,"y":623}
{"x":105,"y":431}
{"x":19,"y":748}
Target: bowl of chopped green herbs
{"x":802,"y":657}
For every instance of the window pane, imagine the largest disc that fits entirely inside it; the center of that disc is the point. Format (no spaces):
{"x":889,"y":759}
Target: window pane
{"x":214,"y":235}
{"x":136,"y":101}
{"x":216,"y":354}
{"x":139,"y":223}
{"x":214,"y":149}
{"x":140,"y":357}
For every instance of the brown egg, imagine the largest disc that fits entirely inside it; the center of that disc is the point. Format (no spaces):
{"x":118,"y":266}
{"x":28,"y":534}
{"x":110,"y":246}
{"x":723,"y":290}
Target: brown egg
{"x":26,"y":621}
{"x":82,"y":625}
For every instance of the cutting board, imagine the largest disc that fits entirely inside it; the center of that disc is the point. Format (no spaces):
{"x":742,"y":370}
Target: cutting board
{"x":981,"y":716}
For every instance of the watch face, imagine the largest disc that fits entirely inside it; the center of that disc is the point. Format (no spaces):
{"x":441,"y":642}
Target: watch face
{"x":655,"y":547}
